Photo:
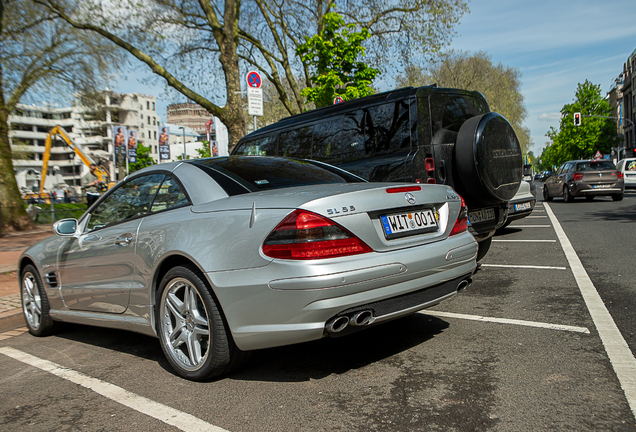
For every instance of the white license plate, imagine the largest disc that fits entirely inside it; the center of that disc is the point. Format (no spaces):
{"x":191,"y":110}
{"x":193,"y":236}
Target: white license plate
{"x":601,"y":186}
{"x":399,"y":224}
{"x":523,"y":206}
{"x":481,"y":215}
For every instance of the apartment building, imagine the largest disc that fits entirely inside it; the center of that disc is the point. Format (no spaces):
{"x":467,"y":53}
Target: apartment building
{"x":198,"y":119}
{"x":628,"y":90}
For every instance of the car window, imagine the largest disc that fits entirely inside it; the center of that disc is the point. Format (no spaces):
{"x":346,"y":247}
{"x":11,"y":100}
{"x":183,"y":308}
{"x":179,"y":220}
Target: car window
{"x":341,"y":140}
{"x":259,"y":147}
{"x":130,"y":200}
{"x":630,"y":165}
{"x":594,"y":166}
{"x":170,"y":195}
{"x":296,"y":143}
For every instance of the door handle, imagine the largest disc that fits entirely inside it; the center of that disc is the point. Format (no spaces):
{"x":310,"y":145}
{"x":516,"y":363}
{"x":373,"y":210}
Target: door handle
{"x":124,"y":240}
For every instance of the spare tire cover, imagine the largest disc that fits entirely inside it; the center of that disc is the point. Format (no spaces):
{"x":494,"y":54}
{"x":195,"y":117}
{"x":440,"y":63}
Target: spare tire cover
{"x":489,"y":159}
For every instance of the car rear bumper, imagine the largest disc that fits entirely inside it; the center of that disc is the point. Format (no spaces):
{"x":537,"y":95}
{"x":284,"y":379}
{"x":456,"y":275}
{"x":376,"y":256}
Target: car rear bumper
{"x":264,"y":311}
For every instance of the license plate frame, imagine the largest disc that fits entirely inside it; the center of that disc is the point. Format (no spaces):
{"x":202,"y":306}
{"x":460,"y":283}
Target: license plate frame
{"x":408,"y":223}
{"x":523,"y":206}
{"x":484,"y":215}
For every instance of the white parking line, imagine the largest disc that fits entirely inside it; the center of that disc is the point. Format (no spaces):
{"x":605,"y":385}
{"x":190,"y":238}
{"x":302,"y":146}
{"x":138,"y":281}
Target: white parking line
{"x":161,"y":412}
{"x":530,"y":226}
{"x":535,"y":217}
{"x":525,"y":266}
{"x":525,"y":241}
{"x":507,"y":321}
{"x":618,"y":351}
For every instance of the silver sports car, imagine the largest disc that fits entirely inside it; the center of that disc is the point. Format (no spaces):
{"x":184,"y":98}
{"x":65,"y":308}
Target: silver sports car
{"x":220,"y":256}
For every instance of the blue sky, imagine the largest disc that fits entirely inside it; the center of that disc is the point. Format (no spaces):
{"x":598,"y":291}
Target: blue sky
{"x":555,"y":44}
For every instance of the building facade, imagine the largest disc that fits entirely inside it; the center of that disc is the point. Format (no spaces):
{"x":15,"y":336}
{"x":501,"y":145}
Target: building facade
{"x":198,"y":119}
{"x":628,"y":103}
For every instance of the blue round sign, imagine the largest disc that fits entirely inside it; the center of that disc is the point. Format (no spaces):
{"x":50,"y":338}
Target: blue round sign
{"x":254,"y":79}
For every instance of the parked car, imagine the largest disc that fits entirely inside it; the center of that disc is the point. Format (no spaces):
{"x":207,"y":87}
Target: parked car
{"x":628,"y":168}
{"x":588,"y":178}
{"x":220,"y":256}
{"x":522,"y":204}
{"x":421,"y":135}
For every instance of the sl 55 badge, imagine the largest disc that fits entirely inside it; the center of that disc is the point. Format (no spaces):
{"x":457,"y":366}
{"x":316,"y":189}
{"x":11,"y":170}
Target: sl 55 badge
{"x":345,"y":209}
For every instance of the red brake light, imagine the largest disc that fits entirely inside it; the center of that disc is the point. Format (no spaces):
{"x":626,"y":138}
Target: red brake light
{"x":404,"y":189}
{"x":461,"y":225}
{"x":620,"y":174}
{"x":304,"y":235}
{"x":577,"y":177}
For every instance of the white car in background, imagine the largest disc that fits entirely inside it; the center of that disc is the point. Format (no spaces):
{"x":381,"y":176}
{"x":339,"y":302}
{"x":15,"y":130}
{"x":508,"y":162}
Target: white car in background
{"x":628,"y":168}
{"x":522,"y":204}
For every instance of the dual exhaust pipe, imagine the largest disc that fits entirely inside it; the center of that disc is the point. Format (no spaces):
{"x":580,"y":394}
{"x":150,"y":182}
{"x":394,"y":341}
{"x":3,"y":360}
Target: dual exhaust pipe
{"x":357,"y":319}
{"x":365,"y":317}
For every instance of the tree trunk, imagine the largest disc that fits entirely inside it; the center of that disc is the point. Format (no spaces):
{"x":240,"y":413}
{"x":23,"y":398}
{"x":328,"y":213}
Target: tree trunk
{"x":13,"y":215}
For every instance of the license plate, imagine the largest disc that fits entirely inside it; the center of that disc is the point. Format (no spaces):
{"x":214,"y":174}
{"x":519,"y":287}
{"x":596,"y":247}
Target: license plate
{"x":481,"y":216}
{"x":409,"y":223}
{"x":601,"y":186}
{"x":523,"y":206}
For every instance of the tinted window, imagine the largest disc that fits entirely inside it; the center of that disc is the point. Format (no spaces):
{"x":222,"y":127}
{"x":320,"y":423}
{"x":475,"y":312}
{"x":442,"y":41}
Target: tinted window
{"x":595,"y":166}
{"x":340,"y":140}
{"x":169,"y":196}
{"x":259,"y":173}
{"x":387,"y":128}
{"x":296,"y":143}
{"x":259,"y":147}
{"x":130,"y":200}
{"x":450,"y":111}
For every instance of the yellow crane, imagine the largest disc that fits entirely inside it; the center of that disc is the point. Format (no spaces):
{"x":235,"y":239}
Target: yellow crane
{"x":100,"y":172}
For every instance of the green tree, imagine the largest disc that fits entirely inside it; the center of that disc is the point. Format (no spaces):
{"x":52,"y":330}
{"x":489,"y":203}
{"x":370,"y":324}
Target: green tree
{"x":594,"y":134}
{"x":38,"y":54}
{"x":143,"y":158}
{"x":332,"y":56}
{"x":500,"y":85}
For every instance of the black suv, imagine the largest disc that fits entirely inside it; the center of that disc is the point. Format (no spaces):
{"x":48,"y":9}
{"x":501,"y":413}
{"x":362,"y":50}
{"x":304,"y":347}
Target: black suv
{"x":422,"y":135}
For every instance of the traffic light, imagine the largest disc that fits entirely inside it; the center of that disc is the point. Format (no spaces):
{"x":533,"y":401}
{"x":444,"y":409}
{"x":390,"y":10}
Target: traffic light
{"x":577,"y":119}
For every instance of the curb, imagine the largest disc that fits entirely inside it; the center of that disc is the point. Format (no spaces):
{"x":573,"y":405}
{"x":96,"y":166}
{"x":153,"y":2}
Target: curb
{"x":10,"y":320}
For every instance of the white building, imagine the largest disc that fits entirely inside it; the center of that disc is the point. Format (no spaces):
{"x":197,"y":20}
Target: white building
{"x":179,"y":134}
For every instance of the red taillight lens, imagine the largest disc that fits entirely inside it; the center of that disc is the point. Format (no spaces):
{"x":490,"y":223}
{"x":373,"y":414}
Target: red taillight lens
{"x":429,"y":164}
{"x":404,"y":189}
{"x":620,"y":174}
{"x":577,"y":177}
{"x":304,"y":235}
{"x":461,"y":225}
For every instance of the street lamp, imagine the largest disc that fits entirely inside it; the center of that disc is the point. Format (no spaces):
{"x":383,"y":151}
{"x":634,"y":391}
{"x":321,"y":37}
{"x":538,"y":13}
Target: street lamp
{"x":184,"y":144}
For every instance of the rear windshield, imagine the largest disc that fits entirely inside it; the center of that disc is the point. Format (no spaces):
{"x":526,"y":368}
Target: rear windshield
{"x":450,"y":111}
{"x":243,"y":174}
{"x":630,"y":165}
{"x":595,"y":166}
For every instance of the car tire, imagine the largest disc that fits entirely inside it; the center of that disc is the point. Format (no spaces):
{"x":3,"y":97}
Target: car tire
{"x":567,"y":196}
{"x":35,"y":303}
{"x":483,"y":248}
{"x":192,"y":331}
{"x":618,"y":197}
{"x":546,"y":195}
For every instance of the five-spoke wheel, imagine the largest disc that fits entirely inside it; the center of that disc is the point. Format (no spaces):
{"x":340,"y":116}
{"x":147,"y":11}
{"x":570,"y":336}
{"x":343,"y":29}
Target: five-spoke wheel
{"x":35,"y":305}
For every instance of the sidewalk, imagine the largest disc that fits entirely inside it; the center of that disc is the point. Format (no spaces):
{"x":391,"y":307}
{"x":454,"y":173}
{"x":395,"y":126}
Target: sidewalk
{"x":11,"y":247}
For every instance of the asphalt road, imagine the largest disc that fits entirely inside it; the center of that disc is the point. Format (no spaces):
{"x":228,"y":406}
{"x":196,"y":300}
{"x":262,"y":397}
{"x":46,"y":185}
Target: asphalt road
{"x":517,"y":351}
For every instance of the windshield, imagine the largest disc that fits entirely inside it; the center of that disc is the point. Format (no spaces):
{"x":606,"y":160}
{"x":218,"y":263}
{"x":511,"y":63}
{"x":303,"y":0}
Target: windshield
{"x":595,"y":166}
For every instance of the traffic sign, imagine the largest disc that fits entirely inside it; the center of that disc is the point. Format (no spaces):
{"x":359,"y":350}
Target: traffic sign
{"x":598,"y":155}
{"x":254,"y":79}
{"x":255,"y":101}
{"x":338,"y":100}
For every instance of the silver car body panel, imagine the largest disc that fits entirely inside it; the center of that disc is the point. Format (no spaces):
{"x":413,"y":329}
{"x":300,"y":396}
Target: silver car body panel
{"x":267,"y":302}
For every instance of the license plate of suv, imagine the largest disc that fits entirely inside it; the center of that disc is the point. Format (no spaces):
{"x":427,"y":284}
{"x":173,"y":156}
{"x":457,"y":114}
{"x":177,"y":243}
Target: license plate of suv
{"x":481,"y":216}
{"x":407,"y":223}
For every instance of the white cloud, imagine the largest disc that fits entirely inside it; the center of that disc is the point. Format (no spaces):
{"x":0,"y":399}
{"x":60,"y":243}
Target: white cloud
{"x":550,"y":116}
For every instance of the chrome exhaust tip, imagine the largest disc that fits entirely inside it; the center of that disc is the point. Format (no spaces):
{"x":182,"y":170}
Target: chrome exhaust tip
{"x":337,"y":324}
{"x":464,"y":284}
{"x":362,"y":318}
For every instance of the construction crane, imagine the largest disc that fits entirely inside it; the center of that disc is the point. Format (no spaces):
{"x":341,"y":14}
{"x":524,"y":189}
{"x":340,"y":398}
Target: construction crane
{"x":100,"y":172}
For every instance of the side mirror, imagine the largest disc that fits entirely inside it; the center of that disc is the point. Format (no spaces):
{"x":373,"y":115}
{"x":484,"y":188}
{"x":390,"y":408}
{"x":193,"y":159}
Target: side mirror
{"x":65,"y":227}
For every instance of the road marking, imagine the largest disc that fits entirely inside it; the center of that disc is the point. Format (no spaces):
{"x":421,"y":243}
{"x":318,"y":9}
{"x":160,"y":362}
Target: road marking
{"x":507,"y":321}
{"x":535,"y":217}
{"x":164,"y":413}
{"x":525,"y":266}
{"x":618,"y":351}
{"x":526,"y":241}
{"x":530,"y":226}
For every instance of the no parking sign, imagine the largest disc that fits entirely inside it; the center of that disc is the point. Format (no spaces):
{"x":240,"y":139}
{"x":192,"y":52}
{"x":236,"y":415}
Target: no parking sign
{"x":254,"y":79}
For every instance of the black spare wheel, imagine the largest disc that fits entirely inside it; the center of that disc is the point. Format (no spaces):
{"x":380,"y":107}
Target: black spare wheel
{"x":489,"y":159}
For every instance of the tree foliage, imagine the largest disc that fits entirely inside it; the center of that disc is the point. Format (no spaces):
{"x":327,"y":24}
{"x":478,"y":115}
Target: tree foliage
{"x":38,"y":55}
{"x":333,"y":60}
{"x":500,"y":85}
{"x":594,"y":134}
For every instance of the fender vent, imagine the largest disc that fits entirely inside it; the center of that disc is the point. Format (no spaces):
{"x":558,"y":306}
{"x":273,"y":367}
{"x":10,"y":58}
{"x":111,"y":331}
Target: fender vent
{"x":52,"y":279}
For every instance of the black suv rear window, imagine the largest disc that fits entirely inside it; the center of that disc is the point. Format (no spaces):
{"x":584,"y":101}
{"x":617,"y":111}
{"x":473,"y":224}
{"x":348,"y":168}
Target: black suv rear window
{"x":242,"y":174}
{"x":450,"y":111}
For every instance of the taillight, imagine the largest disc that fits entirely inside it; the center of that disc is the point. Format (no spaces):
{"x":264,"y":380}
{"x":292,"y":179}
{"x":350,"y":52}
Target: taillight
{"x":620,"y":174}
{"x":404,"y":189}
{"x":577,"y":177}
{"x":429,"y":164}
{"x":304,"y":235}
{"x":461,"y":225}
